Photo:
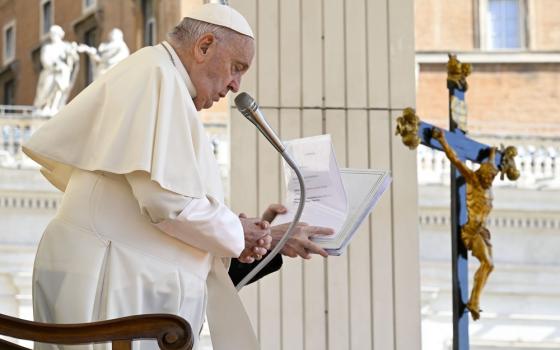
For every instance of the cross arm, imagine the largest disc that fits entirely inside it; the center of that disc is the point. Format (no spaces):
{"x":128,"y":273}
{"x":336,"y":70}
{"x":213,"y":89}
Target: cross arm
{"x":465,"y":148}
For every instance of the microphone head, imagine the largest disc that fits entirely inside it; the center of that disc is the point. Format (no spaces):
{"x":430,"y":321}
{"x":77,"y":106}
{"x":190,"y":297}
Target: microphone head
{"x":250,"y":110}
{"x":244,"y":102}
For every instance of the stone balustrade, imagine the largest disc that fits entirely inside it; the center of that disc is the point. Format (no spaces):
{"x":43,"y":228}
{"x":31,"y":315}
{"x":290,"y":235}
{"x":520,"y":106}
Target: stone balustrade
{"x":16,"y":125}
{"x":500,"y":220}
{"x":32,"y":200}
{"x":538,"y":160}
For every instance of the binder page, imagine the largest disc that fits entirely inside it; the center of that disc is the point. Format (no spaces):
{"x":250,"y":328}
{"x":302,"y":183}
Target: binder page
{"x":326,"y":204}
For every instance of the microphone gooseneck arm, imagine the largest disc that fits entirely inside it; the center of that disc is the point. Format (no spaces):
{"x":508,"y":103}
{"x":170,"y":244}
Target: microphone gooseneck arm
{"x":286,"y":235}
{"x":250,"y":109}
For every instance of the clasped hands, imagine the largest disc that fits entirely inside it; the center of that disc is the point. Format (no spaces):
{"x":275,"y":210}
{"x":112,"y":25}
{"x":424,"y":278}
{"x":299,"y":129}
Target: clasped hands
{"x":260,"y":236}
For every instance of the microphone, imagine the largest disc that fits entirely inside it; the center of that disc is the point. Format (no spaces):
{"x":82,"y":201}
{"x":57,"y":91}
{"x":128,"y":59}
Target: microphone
{"x":250,"y":109}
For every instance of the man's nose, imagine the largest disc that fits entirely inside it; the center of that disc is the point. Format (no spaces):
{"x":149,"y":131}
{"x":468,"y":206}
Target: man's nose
{"x":234,"y":84}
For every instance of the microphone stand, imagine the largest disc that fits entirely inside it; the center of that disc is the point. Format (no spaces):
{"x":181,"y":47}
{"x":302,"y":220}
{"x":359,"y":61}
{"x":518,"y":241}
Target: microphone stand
{"x":292,"y":226}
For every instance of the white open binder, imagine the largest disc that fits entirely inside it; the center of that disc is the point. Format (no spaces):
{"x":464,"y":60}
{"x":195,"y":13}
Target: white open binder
{"x":363,"y":189}
{"x":337,"y":198}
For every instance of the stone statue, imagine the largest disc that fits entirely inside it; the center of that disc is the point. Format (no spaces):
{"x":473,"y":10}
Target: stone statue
{"x":474,"y":233}
{"x":108,"y":53}
{"x":60,"y":62}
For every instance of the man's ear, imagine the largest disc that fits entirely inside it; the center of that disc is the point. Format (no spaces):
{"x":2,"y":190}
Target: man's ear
{"x":202,"y":46}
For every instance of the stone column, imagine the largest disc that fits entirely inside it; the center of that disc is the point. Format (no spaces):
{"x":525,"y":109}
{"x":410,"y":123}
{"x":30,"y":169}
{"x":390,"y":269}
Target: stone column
{"x":8,"y":291}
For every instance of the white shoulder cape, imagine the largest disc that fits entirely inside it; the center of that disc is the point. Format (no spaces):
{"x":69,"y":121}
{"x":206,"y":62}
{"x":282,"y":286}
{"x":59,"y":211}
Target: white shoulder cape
{"x":138,"y":116}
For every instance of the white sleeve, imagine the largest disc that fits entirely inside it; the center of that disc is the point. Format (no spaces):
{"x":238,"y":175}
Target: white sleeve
{"x":204,"y":223}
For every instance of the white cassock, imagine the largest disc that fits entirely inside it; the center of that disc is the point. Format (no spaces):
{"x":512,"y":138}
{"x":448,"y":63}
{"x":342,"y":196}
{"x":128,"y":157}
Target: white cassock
{"x":142,"y":226}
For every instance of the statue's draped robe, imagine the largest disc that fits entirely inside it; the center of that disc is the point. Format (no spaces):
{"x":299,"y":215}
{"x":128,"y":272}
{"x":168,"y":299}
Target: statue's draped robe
{"x":60,"y":66}
{"x":109,"y":54}
{"x":100,"y":257}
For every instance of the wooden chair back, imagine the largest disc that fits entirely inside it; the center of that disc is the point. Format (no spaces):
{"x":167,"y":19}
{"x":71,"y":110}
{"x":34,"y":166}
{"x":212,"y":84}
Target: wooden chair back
{"x":171,"y":332}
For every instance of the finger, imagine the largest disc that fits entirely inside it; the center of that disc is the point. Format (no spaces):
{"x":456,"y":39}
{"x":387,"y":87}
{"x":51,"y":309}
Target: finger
{"x":259,"y":251}
{"x":275,"y":209}
{"x":264,"y":239}
{"x":318,"y":230}
{"x":315,"y":249}
{"x":245,"y":253}
{"x":264,"y":224}
{"x":246,"y":260}
{"x":267,"y":241}
{"x":266,"y":244}
{"x":285,"y":226}
{"x":245,"y":256}
{"x":301,"y":251}
{"x":242,"y":216}
{"x":287,"y":251}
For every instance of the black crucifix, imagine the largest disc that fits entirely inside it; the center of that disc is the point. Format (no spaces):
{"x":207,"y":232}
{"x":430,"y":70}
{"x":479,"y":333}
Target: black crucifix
{"x":471,"y":198}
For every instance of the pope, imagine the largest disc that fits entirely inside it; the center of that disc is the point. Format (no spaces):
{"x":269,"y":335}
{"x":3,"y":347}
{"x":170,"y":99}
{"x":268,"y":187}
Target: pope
{"x":142,"y":227}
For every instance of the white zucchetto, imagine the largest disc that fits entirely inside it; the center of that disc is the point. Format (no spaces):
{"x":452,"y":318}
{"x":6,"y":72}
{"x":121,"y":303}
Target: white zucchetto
{"x":222,"y":15}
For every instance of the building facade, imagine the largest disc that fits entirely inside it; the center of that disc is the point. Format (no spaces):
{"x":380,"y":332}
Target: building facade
{"x":310,"y":79}
{"x":313,"y":78}
{"x":25,"y":26}
{"x":514,"y":91}
{"x":514,"y":46}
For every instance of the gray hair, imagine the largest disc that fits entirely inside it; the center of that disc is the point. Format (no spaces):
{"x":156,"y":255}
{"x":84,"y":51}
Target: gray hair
{"x":189,"y":30}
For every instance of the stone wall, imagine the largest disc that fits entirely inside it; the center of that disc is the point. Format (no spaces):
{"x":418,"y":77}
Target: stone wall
{"x":520,"y":98}
{"x":444,"y":24}
{"x":456,"y":25}
{"x":74,"y":20}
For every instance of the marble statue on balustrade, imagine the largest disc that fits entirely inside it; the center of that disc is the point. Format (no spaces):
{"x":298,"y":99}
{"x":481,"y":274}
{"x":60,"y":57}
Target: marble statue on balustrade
{"x":108,"y":53}
{"x":60,"y":62}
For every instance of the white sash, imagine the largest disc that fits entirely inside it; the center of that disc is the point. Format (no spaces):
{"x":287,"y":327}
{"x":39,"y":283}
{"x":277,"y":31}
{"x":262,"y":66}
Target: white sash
{"x":230,"y":327}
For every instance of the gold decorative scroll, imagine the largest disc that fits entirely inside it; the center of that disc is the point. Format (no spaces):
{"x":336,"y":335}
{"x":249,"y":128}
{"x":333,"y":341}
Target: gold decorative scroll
{"x":507,"y":164}
{"x":407,"y":127}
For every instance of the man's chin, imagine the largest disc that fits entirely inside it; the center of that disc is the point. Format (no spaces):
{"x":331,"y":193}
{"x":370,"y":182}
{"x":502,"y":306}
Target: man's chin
{"x":200,"y":106}
{"x":208,"y":105}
